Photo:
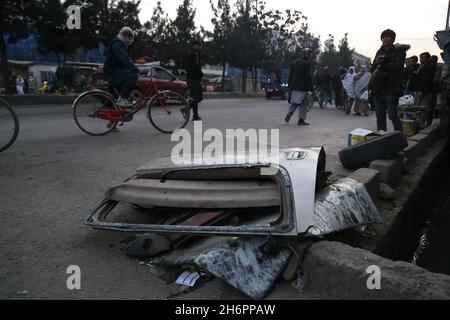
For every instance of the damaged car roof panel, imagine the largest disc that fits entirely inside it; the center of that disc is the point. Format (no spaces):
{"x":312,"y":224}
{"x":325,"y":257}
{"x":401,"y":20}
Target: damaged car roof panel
{"x":292,"y":187}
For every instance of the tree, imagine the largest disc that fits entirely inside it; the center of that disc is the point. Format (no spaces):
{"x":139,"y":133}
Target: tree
{"x":100,"y":23}
{"x":334,"y":58}
{"x":16,"y":24}
{"x":52,"y":32}
{"x":345,"y":53}
{"x":286,"y":33}
{"x":221,"y":36}
{"x":181,"y":32}
{"x":103,"y":19}
{"x":330,"y":56}
{"x":156,"y":30}
{"x":247,"y":36}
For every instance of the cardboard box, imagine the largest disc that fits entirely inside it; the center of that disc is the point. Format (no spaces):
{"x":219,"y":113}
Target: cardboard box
{"x":360,"y":136}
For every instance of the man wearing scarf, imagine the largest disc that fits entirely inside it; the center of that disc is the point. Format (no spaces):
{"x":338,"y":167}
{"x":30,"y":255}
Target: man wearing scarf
{"x":119,"y":69}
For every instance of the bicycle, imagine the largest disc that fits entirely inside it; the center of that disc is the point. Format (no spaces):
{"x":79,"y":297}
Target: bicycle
{"x":96,"y":113}
{"x":9,"y":125}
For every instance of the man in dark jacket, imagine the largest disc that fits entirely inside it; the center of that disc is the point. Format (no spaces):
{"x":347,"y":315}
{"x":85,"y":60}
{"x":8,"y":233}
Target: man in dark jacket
{"x":339,"y":94}
{"x":300,"y":85}
{"x":324,"y":83}
{"x":387,"y":80}
{"x":425,"y":80}
{"x":193,"y":66}
{"x":410,"y":75}
{"x":119,"y":69}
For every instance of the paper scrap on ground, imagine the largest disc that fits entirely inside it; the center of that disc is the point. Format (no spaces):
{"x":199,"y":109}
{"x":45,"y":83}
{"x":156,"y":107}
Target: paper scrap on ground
{"x":188,"y":279}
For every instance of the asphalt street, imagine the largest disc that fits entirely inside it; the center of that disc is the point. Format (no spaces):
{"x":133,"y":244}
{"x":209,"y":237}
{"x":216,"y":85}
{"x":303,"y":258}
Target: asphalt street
{"x":55,"y":174}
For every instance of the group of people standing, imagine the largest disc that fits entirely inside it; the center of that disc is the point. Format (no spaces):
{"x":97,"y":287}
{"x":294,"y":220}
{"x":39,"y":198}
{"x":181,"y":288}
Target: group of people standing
{"x":421,"y":81}
{"x":379,"y":87}
{"x":20,"y":85}
{"x":348,"y":89}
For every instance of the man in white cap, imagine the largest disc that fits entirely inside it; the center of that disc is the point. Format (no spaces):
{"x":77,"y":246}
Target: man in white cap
{"x":119,"y":69}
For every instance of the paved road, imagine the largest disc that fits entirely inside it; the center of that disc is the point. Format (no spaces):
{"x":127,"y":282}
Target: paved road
{"x":54,"y":174}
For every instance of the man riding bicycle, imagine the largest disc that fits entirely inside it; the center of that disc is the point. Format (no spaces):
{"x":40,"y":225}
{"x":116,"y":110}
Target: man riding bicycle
{"x":119,"y":69}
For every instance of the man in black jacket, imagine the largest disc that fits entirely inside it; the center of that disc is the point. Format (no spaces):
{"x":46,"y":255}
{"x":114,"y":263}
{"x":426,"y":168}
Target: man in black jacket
{"x":425,"y":80}
{"x":193,"y":66}
{"x":119,"y":69}
{"x":300,"y":85}
{"x":410,"y":75}
{"x":387,"y":80}
{"x":324,"y":83}
{"x":339,"y":94}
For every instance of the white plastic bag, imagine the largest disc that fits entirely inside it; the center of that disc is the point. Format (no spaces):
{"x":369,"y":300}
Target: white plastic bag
{"x":364,"y":96}
{"x":406,"y":101}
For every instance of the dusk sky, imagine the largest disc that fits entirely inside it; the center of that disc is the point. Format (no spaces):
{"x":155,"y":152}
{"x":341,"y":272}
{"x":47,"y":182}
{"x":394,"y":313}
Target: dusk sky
{"x":414,"y":21}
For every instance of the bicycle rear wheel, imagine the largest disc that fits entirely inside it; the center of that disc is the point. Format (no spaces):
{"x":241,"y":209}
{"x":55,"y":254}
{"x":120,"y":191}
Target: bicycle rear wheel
{"x":86,"y":111}
{"x":168,"y":111}
{"x":9,"y":126}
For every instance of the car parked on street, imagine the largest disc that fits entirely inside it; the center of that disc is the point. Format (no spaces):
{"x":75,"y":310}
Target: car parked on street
{"x":156,"y":75}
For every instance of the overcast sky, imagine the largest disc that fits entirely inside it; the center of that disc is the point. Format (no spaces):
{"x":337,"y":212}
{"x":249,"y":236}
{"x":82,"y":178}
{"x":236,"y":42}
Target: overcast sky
{"x":414,"y":21}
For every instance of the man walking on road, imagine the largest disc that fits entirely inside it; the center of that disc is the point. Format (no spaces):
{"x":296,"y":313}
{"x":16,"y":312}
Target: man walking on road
{"x":387,"y":80}
{"x":300,"y":84}
{"x":324,"y":83}
{"x":193,"y":66}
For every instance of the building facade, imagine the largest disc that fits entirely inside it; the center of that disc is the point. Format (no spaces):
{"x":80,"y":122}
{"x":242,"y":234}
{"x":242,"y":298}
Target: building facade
{"x":25,"y":58}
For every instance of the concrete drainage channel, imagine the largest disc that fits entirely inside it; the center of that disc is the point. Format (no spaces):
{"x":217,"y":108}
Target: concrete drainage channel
{"x":342,"y":266}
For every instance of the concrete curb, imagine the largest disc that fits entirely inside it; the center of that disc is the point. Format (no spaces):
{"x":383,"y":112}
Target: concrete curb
{"x":30,"y":100}
{"x":411,"y":153}
{"x":342,"y":272}
{"x":69,"y":99}
{"x":390,"y":169}
{"x":426,"y":138}
{"x":370,"y":178}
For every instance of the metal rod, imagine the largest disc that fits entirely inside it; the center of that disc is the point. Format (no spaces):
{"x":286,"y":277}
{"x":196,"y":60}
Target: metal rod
{"x":448,"y":16}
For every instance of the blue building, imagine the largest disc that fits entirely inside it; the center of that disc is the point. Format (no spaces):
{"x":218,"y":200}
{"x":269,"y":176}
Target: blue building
{"x":25,"y":58}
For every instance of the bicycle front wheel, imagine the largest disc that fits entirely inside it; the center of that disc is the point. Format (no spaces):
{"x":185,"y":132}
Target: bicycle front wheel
{"x":168,"y":111}
{"x":9,"y":126}
{"x":86,"y":112}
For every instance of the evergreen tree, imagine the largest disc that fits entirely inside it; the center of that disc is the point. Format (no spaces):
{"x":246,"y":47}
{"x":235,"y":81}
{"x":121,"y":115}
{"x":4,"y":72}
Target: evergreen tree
{"x":181,"y":32}
{"x":345,"y":53}
{"x":156,"y":30}
{"x":333,"y":58}
{"x":330,"y":56}
{"x":220,"y":48}
{"x":52,"y":33}
{"x":247,"y":39}
{"x":103,"y":19}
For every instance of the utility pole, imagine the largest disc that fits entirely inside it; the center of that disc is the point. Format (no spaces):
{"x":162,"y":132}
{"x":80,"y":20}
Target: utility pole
{"x":448,"y":16}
